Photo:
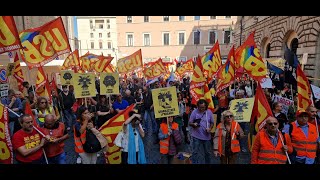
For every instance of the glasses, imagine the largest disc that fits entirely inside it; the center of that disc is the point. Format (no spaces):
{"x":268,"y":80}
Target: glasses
{"x":43,"y":102}
{"x":275,"y":123}
{"x":228,"y":116}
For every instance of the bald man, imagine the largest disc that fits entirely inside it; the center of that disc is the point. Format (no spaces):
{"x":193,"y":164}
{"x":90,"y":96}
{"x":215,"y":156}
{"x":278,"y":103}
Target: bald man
{"x":270,"y":145}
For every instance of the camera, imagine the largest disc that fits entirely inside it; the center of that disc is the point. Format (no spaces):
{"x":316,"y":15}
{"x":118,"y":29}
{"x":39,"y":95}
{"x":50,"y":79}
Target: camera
{"x":198,"y":120}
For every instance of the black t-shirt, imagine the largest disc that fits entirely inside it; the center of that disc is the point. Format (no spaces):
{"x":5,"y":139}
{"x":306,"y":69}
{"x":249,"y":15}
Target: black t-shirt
{"x":103,"y":119}
{"x":67,"y":100}
{"x":130,"y":99}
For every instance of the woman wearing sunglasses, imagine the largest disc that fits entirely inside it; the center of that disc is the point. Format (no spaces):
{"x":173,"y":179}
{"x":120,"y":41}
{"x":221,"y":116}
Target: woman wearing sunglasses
{"x":226,"y":139}
{"x":43,"y":108}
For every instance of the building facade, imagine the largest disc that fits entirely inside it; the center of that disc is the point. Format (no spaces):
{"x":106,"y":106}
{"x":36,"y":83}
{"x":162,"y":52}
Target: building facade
{"x":273,"y":33}
{"x":97,"y":34}
{"x":173,"y":37}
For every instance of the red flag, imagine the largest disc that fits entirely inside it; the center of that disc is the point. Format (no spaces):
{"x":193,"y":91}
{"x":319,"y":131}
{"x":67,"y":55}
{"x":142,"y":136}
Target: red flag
{"x":249,"y":58}
{"x":261,"y":111}
{"x":304,"y":90}
{"x":6,"y":153}
{"x":110,"y":129}
{"x":197,"y":82}
{"x":28,"y":110}
{"x":9,"y":36}
{"x":42,"y":85}
{"x":17,"y":72}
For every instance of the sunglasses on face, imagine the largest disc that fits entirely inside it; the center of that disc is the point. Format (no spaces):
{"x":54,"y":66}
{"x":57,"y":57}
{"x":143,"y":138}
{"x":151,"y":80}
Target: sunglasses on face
{"x":228,"y":116}
{"x":275,"y":123}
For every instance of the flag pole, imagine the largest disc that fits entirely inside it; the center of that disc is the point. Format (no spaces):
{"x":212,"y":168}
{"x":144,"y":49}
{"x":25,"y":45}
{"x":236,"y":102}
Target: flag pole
{"x":283,"y":145}
{"x":315,"y":119}
{"x":44,"y":153}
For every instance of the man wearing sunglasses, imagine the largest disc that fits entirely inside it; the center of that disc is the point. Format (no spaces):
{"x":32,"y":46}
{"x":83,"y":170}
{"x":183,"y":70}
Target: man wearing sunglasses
{"x":270,"y":145}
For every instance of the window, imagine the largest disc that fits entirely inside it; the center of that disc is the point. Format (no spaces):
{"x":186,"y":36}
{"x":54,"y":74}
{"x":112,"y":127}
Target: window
{"x":91,"y":24}
{"x":91,"y":35}
{"x":146,"y":18}
{"x":227,"y":37}
{"x":165,"y":18}
{"x":92,"y":45}
{"x":228,"y":17}
{"x":129,"y":39}
{"x":165,"y":38}
{"x":213,"y":17}
{"x":100,"y":26}
{"x":181,"y":38}
{"x":181,"y":18}
{"x":100,"y":45}
{"x":100,"y":35}
{"x":196,"y":18}
{"x":196,"y":37}
{"x":182,"y":58}
{"x":109,"y":45}
{"x":146,"y":39}
{"x":108,"y":20}
{"x":109,"y":34}
{"x":108,"y":26}
{"x":212,"y":37}
{"x":294,"y":45}
{"x":268,"y":51}
{"x":129,"y":19}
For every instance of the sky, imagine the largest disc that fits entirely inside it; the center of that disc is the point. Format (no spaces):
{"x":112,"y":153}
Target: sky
{"x":75,"y":26}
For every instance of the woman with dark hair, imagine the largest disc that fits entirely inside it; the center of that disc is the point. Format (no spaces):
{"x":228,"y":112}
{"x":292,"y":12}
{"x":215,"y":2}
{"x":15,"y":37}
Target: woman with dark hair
{"x":104,"y":111}
{"x":86,"y":139}
{"x":43,"y":108}
{"x":201,"y":121}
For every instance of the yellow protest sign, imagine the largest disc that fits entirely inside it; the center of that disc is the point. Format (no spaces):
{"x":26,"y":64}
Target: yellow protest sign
{"x":10,"y":68}
{"x":109,"y":83}
{"x":84,"y":85}
{"x":165,"y":102}
{"x":242,"y":109}
{"x":66,"y":77}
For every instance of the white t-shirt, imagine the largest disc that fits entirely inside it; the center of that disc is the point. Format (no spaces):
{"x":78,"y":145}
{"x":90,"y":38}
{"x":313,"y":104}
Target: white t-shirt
{"x":248,"y":91}
{"x":125,"y":140}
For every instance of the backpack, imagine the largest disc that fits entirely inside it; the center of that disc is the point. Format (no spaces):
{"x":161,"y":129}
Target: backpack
{"x":92,"y":144}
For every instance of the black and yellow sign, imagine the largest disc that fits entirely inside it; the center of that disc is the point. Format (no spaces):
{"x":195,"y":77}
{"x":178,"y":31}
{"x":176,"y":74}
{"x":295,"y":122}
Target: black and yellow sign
{"x":84,"y":85}
{"x":242,"y":109}
{"x":109,"y":83}
{"x":10,"y":68}
{"x":165,"y":102}
{"x":67,"y":77}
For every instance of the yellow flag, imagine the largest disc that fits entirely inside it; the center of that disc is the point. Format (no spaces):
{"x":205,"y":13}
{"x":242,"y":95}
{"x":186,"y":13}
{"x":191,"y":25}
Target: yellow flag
{"x":109,"y":83}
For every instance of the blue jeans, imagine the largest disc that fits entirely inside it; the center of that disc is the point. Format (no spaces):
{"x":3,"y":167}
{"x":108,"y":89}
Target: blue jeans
{"x":58,"y":159}
{"x":202,"y":152}
{"x":69,"y":117}
{"x":147,"y":117}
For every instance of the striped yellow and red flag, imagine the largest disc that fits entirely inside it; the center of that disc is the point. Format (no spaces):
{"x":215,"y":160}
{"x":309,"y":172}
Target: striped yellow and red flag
{"x":226,"y":74}
{"x":42,"y":85}
{"x":185,"y":67}
{"x":249,"y":58}
{"x":72,"y":61}
{"x":101,"y":64}
{"x":17,"y":72}
{"x":9,"y":37}
{"x":260,"y":112}
{"x":304,"y":90}
{"x":110,"y":129}
{"x":212,"y":62}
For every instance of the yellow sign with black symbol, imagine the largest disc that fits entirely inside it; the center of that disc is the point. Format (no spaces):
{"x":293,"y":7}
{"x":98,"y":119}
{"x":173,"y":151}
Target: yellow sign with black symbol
{"x":84,"y":85}
{"x":109,"y":83}
{"x":66,"y":77}
{"x":242,"y":109}
{"x":165,"y":102}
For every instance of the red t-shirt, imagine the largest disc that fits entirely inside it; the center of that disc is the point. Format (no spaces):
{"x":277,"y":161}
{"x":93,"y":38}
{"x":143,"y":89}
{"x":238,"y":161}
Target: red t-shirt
{"x":29,"y":140}
{"x":223,"y":99}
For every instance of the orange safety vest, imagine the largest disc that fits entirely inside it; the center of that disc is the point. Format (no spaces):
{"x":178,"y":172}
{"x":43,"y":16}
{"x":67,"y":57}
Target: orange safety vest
{"x":235,"y":145}
{"x":53,"y":149}
{"x":269,"y":154}
{"x":164,"y":143}
{"x":78,"y":141}
{"x":305,"y":147}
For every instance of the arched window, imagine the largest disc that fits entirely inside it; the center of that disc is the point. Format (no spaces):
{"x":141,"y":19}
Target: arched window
{"x":268,"y":51}
{"x":294,"y":45}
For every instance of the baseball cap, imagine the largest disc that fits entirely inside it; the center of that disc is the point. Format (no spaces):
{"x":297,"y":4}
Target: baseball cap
{"x":301,"y":111}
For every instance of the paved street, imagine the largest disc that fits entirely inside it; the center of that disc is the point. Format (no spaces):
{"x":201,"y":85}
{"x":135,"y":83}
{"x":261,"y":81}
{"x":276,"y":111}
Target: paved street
{"x":151,"y":150}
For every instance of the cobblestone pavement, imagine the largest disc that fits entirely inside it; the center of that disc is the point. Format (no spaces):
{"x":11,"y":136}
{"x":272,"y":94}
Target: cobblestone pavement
{"x":151,"y":151}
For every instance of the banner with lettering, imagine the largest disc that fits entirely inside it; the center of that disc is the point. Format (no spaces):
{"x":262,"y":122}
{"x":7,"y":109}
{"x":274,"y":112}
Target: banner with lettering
{"x":185,"y":67}
{"x":286,"y":103}
{"x":67,"y":77}
{"x":6,"y":154}
{"x":72,"y":61}
{"x":165,"y":102}
{"x":44,"y":44}
{"x":155,"y":70}
{"x":109,"y":83}
{"x":130,"y":63}
{"x":316,"y":91}
{"x":9,"y":37}
{"x":242,"y":109}
{"x":84,"y":85}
